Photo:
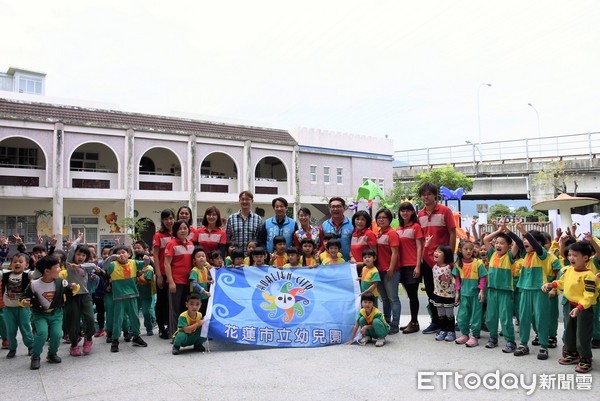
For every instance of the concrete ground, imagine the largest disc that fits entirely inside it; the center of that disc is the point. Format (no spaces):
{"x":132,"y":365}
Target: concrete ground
{"x":236,"y":372}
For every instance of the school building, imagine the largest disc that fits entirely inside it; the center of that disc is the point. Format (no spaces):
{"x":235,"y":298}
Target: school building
{"x":65,"y":168}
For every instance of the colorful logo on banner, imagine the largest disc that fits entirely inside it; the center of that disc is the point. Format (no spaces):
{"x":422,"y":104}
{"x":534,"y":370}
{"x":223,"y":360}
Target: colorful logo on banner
{"x":290,"y":307}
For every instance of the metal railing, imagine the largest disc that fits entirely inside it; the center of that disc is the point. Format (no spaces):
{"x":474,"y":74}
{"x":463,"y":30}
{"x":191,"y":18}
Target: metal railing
{"x":576,"y":146}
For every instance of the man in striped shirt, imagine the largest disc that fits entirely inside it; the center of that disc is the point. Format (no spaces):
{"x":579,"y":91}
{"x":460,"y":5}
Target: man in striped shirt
{"x":242,"y":227}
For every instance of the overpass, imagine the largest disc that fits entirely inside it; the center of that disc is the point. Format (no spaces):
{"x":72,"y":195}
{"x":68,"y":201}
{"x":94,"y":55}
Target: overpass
{"x":506,"y":169}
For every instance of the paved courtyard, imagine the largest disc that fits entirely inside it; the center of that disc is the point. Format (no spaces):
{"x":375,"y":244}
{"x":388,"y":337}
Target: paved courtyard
{"x":235,"y":372}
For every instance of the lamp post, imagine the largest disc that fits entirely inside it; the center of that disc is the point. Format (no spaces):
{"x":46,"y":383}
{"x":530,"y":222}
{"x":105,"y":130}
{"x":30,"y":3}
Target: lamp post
{"x":478,"y":115}
{"x":474,"y":146}
{"x":539,"y":130}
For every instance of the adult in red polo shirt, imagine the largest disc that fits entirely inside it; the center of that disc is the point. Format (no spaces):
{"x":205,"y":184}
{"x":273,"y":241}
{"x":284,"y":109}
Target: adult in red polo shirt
{"x":211,"y":237}
{"x":438,"y":222}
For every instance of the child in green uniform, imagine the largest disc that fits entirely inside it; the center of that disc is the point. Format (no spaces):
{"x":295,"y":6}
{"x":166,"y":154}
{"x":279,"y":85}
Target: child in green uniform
{"x":371,"y":323}
{"x":46,"y":298}
{"x":369,"y":277}
{"x":146,"y":286}
{"x":188,"y":326}
{"x":200,"y":277}
{"x":470,"y":281}
{"x":534,"y":306}
{"x":500,"y":301}
{"x":123,"y":273}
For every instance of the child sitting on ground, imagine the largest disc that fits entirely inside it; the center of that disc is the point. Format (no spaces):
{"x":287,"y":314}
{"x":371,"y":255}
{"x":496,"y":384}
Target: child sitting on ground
{"x":188,"y":326}
{"x":371,"y":323}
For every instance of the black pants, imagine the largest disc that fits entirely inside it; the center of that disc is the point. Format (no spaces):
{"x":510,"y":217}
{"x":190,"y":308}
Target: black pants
{"x":162,"y":306}
{"x":427,"y":274}
{"x":100,"y":312}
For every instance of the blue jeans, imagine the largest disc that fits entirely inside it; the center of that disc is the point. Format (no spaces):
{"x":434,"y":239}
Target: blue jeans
{"x":388,"y":290}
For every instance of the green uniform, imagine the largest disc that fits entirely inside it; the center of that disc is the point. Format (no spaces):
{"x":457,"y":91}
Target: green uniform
{"x":183,"y":339}
{"x":144,"y":283}
{"x":535,"y":304}
{"x":470,"y":309}
{"x":125,"y":293}
{"x":367,"y":278}
{"x":553,"y":322}
{"x":500,"y":301}
{"x":380,"y":329}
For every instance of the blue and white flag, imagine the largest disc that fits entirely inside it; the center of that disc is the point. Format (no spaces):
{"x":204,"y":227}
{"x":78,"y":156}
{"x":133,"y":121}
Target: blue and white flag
{"x":296,"y":307}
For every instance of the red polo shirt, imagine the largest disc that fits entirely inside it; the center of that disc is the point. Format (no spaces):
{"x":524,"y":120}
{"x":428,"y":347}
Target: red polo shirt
{"x":211,"y":239}
{"x":409,"y":236}
{"x":437,"y":224}
{"x":385,"y":241}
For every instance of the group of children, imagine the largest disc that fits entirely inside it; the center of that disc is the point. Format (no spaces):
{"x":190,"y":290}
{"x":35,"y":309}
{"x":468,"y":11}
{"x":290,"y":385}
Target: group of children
{"x":505,"y":277}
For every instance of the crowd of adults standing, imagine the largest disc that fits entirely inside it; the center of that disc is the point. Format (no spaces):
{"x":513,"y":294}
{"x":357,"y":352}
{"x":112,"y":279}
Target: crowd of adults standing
{"x":401,"y":255}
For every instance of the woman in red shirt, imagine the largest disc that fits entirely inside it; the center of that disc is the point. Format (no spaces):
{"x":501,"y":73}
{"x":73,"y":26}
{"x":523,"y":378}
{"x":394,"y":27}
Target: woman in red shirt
{"x":411,"y":252}
{"x":178,"y":265}
{"x":185,"y":213}
{"x":211,"y":236}
{"x":388,"y":243}
{"x":362,"y":238}
{"x":159,"y":242}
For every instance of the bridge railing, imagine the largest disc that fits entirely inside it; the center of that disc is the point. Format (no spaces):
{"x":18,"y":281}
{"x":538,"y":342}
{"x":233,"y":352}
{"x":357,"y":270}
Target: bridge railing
{"x":576,"y":146}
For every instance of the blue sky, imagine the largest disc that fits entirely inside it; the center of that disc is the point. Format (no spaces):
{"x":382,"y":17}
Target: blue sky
{"x":411,"y":70}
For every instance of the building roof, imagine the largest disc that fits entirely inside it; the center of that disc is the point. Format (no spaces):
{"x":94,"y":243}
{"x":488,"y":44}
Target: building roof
{"x":43,"y":112}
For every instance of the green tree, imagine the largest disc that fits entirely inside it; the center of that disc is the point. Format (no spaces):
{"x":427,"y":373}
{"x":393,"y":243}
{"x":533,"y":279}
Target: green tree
{"x":446,"y":176}
{"x":499,"y":210}
{"x":557,"y":176}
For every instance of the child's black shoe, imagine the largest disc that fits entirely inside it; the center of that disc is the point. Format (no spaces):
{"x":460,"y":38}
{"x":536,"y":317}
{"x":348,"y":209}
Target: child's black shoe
{"x":175,"y":350}
{"x":199,"y":348}
{"x":35,"y":363}
{"x":137,"y":340}
{"x":127,"y":337}
{"x":114,"y":346}
{"x":53,"y":358}
{"x":536,"y":341}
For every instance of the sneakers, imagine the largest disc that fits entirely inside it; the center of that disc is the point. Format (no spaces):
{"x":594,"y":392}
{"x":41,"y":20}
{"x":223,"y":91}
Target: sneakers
{"x":492,"y":343}
{"x":595,"y":343}
{"x":137,"y":340}
{"x":127,"y":337}
{"x":536,"y":341}
{"x":114,"y":347}
{"x":11,"y":354}
{"x":584,"y":365}
{"x":108,"y":339}
{"x":35,"y":363}
{"x":380,"y":342}
{"x":552,"y":342}
{"x":175,"y":350}
{"x":451,"y":336}
{"x":412,"y":327}
{"x":87,"y":346}
{"x":164,"y":334}
{"x":4,"y":344}
{"x":65,"y":339}
{"x":473,"y":342}
{"x":364,"y":341}
{"x":149,"y":332}
{"x":53,"y":358}
{"x":74,"y":351}
{"x":569,"y":359}
{"x":432,"y":328}
{"x":521,"y":350}
{"x":542,"y":354}
{"x":441,"y":336}
{"x":99,"y":333}
{"x":199,"y":348}
{"x":509,"y":348}
{"x":462,"y":339}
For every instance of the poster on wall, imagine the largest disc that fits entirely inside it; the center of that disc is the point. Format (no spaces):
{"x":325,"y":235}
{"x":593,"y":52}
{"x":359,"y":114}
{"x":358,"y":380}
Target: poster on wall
{"x":595,"y":229}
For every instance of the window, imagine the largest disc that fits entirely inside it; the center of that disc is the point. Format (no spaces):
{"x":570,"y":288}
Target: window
{"x":381,"y":184}
{"x":30,"y":85}
{"x":313,"y":174}
{"x":19,"y":156}
{"x":88,"y":226}
{"x":340,"y":175}
{"x":25,"y":226}
{"x":84,"y":161}
{"x":326,"y":173}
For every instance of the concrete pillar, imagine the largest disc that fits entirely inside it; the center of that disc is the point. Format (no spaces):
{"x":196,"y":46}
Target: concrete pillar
{"x":58,"y":211}
{"x":192,"y":167}
{"x":129,"y":174}
{"x":247,"y":167}
{"x":295,"y":179}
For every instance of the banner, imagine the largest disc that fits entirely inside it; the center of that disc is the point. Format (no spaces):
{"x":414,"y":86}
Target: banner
{"x":296,"y":307}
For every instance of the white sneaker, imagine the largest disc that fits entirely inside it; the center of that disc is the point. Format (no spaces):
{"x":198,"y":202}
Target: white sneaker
{"x":380,"y":342}
{"x":364,"y":341}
